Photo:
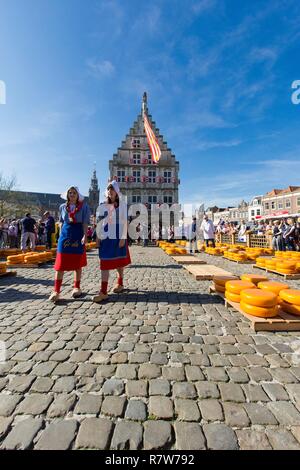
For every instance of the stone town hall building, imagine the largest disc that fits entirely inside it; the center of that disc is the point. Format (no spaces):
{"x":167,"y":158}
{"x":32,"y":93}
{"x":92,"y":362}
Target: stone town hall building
{"x":139,"y":178}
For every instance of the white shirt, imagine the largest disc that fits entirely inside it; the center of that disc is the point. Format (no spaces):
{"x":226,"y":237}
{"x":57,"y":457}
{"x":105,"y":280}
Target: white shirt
{"x":208,"y":229}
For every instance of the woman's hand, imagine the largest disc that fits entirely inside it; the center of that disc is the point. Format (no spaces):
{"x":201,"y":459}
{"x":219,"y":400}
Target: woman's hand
{"x":122,"y":243}
{"x":83,"y":240}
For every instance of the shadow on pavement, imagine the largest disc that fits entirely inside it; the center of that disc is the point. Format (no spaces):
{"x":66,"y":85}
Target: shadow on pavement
{"x":158,"y":266}
{"x":28,"y":281}
{"x":11,"y":295}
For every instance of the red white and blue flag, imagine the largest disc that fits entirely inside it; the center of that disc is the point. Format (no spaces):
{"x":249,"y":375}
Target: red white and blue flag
{"x":152,"y":141}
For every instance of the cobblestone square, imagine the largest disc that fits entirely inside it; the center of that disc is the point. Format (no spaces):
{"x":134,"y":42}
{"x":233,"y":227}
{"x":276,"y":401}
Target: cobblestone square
{"x":163,"y":365}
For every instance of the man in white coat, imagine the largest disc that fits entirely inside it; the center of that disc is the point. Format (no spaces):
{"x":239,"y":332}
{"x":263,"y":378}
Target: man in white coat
{"x":208,"y":229}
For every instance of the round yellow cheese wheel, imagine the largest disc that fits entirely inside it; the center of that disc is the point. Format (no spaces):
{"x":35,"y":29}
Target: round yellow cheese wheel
{"x":14,"y":258}
{"x":255,"y":278}
{"x":232,"y":297}
{"x":258,"y":311}
{"x":259,"y":298}
{"x":235,"y":287}
{"x":273,"y":286}
{"x":287,"y":271}
{"x":272,"y":262}
{"x":219,"y":288}
{"x":223,"y":279}
{"x":286,"y":264}
{"x":289,"y":308}
{"x":261,"y":260}
{"x":291,"y":296}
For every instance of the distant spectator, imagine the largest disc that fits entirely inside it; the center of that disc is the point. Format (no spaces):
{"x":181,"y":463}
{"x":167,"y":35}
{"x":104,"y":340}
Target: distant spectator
{"x":261,"y":228}
{"x":3,"y":233}
{"x":277,"y":241}
{"x":207,"y":227}
{"x":49,"y":228}
{"x":289,"y":235}
{"x":297,"y":236}
{"x":242,"y":232}
{"x":41,"y":233}
{"x":13,"y":234}
{"x":28,"y":232}
{"x":192,"y":236}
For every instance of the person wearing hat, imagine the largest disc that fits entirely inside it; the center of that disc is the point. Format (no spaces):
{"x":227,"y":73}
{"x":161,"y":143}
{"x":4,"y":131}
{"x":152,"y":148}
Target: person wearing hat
{"x":74,"y":217}
{"x":49,"y":228}
{"x":112,"y":240}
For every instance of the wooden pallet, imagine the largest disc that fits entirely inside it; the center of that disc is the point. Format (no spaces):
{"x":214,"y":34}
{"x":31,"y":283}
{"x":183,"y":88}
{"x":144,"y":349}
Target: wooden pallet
{"x":8,"y":274}
{"x":282,"y":322}
{"x":287,"y":277}
{"x":188,"y":259}
{"x":206,"y":272}
{"x":239,"y":262}
{"x":27,"y":266}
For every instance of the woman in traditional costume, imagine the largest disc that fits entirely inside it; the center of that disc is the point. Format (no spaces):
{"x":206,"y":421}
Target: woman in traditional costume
{"x":112,"y":240}
{"x":74,"y":217}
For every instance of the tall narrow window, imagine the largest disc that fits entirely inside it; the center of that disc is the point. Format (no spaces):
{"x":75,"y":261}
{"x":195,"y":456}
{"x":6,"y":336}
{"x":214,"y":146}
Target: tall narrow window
{"x":136,"y":176}
{"x":136,"y":159}
{"x":152,"y":176}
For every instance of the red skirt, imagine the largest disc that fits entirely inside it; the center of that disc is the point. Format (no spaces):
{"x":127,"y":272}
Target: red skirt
{"x":70,"y":262}
{"x":106,"y":265}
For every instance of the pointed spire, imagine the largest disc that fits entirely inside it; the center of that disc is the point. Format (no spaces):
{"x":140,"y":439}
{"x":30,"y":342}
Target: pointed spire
{"x":144,"y":103}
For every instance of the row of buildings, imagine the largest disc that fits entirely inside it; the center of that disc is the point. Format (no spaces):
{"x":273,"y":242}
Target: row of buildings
{"x":276,"y":204}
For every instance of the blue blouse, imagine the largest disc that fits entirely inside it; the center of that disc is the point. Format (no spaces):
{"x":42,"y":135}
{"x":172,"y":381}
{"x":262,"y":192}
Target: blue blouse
{"x":82,"y":216}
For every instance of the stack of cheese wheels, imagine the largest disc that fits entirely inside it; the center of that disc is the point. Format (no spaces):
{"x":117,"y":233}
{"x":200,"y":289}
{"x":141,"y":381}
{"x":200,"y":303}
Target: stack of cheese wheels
{"x":286,"y":267}
{"x":49,"y":255}
{"x":255,"y":278}
{"x":290,"y":301}
{"x":2,"y":268}
{"x":240,"y":256}
{"x":261,"y":262}
{"x":45,"y":256}
{"x":171,"y":250}
{"x":259,"y":303}
{"x":220,"y":281}
{"x":254,"y":253}
{"x":16,"y":259}
{"x":234,"y":288}
{"x":214,"y":251}
{"x":271,"y":264}
{"x":32,"y":258}
{"x":268,"y":251}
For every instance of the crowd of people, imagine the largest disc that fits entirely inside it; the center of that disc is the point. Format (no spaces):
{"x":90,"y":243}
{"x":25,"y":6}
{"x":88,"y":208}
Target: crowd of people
{"x":28,"y":232}
{"x":285,"y":233}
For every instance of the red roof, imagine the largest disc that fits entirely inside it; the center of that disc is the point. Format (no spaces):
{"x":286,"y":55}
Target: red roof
{"x":278,"y":192}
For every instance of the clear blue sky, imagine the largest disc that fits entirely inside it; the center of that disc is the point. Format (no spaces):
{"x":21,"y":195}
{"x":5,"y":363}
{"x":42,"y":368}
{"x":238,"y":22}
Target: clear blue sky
{"x":218,"y":74}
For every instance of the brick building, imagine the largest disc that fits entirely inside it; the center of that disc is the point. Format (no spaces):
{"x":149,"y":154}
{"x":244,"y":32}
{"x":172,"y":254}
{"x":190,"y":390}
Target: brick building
{"x":280,"y":203}
{"x":141,"y":180}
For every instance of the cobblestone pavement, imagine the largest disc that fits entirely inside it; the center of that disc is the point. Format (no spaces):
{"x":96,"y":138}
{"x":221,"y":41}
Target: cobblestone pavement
{"x":162,"y":366}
